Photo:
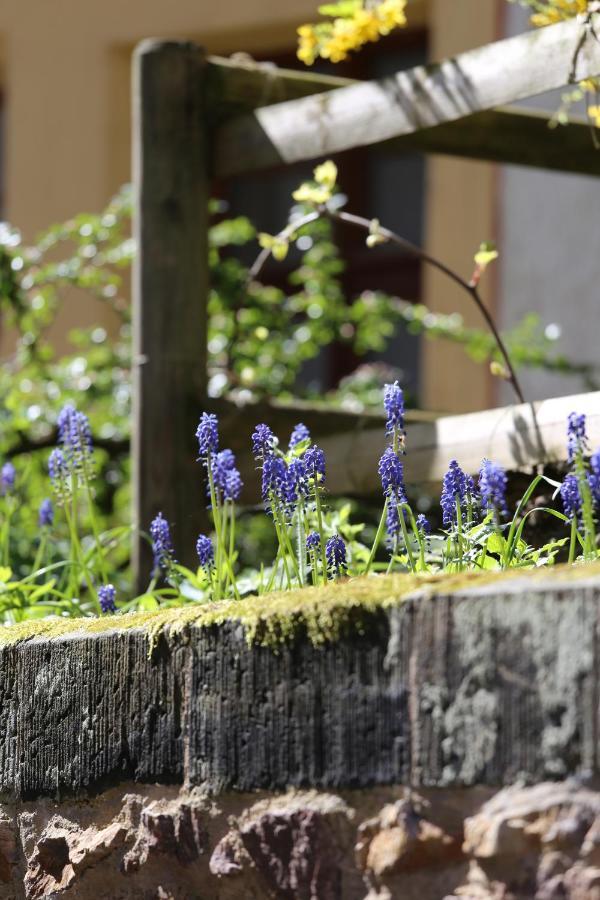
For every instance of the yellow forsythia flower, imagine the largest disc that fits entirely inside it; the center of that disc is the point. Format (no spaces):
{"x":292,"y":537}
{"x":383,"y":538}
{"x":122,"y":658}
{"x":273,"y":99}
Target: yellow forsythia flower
{"x":308,"y":45}
{"x":549,"y":12}
{"x":553,"y":11}
{"x":354,"y":26}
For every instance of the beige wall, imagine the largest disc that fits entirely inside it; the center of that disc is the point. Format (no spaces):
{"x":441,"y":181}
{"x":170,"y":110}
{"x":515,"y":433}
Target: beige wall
{"x":460,"y":213}
{"x":66,"y":76}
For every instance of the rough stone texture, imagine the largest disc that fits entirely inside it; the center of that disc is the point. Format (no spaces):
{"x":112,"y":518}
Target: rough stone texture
{"x":485,"y":686}
{"x":159,"y":842}
{"x":541,"y":842}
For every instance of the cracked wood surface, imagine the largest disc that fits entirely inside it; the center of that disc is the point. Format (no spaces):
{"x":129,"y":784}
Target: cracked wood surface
{"x":483,"y":686}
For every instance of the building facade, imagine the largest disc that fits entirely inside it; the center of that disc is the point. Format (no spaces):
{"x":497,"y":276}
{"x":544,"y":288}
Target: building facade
{"x":65,"y":70}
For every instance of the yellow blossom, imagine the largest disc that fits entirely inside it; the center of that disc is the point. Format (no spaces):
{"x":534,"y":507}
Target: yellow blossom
{"x":486,"y":254}
{"x":594,"y":114}
{"x":310,"y":193}
{"x":351,"y":26}
{"x":326,"y":174}
{"x":307,"y":44}
{"x":278,"y":246}
{"x":553,"y":11}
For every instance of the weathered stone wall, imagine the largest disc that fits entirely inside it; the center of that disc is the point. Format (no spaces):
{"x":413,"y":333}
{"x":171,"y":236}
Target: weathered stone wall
{"x":156,"y":843}
{"x":366,"y":768}
{"x":483,"y":686}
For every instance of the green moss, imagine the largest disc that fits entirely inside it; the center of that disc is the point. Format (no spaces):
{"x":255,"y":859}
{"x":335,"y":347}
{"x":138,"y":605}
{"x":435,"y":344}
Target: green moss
{"x":323,"y":613}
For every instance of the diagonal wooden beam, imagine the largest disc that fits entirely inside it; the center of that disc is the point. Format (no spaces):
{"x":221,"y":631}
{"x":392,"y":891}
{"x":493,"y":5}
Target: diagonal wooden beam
{"x":425,"y":100}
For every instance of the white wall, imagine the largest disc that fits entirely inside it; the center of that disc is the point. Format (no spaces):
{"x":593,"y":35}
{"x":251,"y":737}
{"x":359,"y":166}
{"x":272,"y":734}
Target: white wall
{"x":549,"y":237}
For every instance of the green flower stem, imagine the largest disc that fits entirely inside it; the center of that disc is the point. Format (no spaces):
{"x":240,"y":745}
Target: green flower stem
{"x":378,"y":537}
{"x":288,"y":546}
{"x":417,"y":534}
{"x":587,"y":508}
{"x":281,"y":542}
{"x":301,"y":542}
{"x":231,"y":528}
{"x":573,"y":540}
{"x":273,"y":575}
{"x":411,"y":558}
{"x":448,"y":554}
{"x":221,"y":550}
{"x":5,"y":542}
{"x":459,"y":535}
{"x":393,"y":554}
{"x":41,"y":550}
{"x":512,"y":532}
{"x":95,"y":530}
{"x":77,"y":560}
{"x":321,"y":530}
{"x":314,"y":567}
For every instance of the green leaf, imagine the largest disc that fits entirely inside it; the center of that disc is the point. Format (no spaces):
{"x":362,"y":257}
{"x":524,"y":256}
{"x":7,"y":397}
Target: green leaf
{"x":486,"y":254}
{"x":496,"y":543}
{"x":147,"y":603}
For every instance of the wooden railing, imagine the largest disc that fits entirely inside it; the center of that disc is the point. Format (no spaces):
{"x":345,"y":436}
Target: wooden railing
{"x":196,"y":118}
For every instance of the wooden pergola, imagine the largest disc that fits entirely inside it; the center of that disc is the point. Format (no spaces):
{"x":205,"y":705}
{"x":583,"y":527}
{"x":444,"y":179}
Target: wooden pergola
{"x":197,"y":118}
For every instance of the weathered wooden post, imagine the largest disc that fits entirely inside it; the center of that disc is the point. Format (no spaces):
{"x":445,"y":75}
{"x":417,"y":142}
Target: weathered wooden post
{"x":170,"y":285}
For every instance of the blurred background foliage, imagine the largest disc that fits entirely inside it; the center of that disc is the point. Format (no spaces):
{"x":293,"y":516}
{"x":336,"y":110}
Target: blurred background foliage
{"x":261,"y":338}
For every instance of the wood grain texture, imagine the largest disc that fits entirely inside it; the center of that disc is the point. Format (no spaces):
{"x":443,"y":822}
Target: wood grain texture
{"x":519,"y":438}
{"x":480,"y":686}
{"x":170,"y":287}
{"x":414,"y":102}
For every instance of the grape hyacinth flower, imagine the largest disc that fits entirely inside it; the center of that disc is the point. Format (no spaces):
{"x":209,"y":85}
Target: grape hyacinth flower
{"x":393,"y":403}
{"x":263,"y":441}
{"x":571,"y":498}
{"x":313,"y":541}
{"x":391,"y":473}
{"x":335,"y":553}
{"x":299,"y":435}
{"x":207,"y":433}
{"x":274,"y":476}
{"x":314,"y":464}
{"x":204,"y":549}
{"x":577,"y":442}
{"x":492,"y":488}
{"x":106,"y":598}
{"x":45,"y":514}
{"x":296,"y":483}
{"x":59,"y":475}
{"x":594,"y":478}
{"x":423,"y":525}
{"x":392,"y":524}
{"x":7,"y":479}
{"x":454,"y":489}
{"x":233,"y":485}
{"x":162,"y":545}
{"x":75,"y":438}
{"x":227,"y":479}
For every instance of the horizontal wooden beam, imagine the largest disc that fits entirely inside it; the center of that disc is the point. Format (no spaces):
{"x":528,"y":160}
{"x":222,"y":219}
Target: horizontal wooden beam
{"x":426,"y":103}
{"x":513,"y":136}
{"x":239,"y":84}
{"x":517,"y":437}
